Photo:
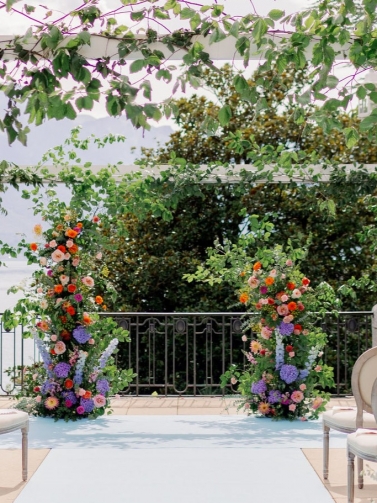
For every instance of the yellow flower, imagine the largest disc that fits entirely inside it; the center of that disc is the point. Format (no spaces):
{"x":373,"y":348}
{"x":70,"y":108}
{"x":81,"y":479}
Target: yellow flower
{"x":37,"y":229}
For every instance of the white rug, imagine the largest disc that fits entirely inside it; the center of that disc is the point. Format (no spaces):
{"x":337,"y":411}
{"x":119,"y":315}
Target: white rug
{"x":174,"y":459}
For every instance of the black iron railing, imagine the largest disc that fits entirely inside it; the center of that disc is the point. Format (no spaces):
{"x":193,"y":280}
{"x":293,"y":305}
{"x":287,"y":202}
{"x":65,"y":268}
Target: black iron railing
{"x":186,"y":353}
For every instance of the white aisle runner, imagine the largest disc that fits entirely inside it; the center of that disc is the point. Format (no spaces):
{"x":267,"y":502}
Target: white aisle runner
{"x":174,"y":459}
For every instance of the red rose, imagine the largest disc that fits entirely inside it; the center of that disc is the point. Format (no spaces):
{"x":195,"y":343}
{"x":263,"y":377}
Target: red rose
{"x":289,"y":348}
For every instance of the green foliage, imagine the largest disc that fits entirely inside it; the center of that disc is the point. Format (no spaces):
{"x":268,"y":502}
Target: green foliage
{"x":53,"y":50}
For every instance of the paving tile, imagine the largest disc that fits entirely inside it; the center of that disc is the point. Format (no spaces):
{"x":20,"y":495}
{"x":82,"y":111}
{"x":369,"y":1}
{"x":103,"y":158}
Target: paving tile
{"x":337,"y":481}
{"x":11,"y":483}
{"x":201,"y":411}
{"x":164,"y":411}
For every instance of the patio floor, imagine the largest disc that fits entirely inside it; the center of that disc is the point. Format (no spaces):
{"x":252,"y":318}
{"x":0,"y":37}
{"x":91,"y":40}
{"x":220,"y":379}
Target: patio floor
{"x":201,"y":450}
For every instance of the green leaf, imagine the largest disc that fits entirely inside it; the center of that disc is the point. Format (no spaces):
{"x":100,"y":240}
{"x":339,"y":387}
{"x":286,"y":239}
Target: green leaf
{"x":240,"y":83}
{"x":137,"y":65}
{"x":332,"y":81}
{"x":260,"y":29}
{"x":195,"y":21}
{"x":160,"y":14}
{"x":234,"y":30}
{"x":276,"y":14}
{"x":351,"y":136}
{"x":361,"y":92}
{"x":84,"y":102}
{"x":368,"y":122}
{"x":187,"y":13}
{"x":84,"y":36}
{"x":224,"y":115}
{"x":138,"y":15}
{"x":373,"y":96}
{"x":9,"y":4}
{"x":304,"y":99}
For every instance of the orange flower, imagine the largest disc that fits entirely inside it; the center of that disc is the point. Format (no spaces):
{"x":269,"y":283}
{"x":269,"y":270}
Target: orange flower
{"x":244,"y":298}
{"x":79,"y":225}
{"x":58,"y":288}
{"x":74,"y":249}
{"x":71,"y":288}
{"x":59,"y":227}
{"x":242,"y":273}
{"x":99,"y":299}
{"x":71,"y":310}
{"x":104,"y":307}
{"x":71,"y":233}
{"x":269,"y":281}
{"x":87,"y":320}
{"x":33,"y":246}
{"x":292,"y":306}
{"x":305,"y":281}
{"x":95,"y":219}
{"x":62,"y":248}
{"x":68,"y":383}
{"x":88,"y":394}
{"x":290,"y":285}
{"x":257,"y":266}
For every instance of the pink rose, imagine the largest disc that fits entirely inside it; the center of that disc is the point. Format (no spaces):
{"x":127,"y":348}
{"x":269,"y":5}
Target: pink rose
{"x":292,"y":407}
{"x":91,"y":341}
{"x":43,"y":261}
{"x":291,"y":354}
{"x":64,"y":280}
{"x":69,"y":243}
{"x":52,"y":244}
{"x":283,"y":310}
{"x":82,"y":392}
{"x":38,"y":399}
{"x":59,"y":348}
{"x":67,"y":256}
{"x":317,"y":402}
{"x":80,"y":410}
{"x":273,"y":273}
{"x":296,"y":294}
{"x":289,"y":263}
{"x":88,"y":281}
{"x":266,"y":332}
{"x":318,"y":368}
{"x":297,"y":396}
{"x":54,"y":337}
{"x":75,"y":262}
{"x":244,"y":338}
{"x":284,"y":298}
{"x":233,"y":380}
{"x":302,"y":387}
{"x":99,"y":401}
{"x":57,"y":256}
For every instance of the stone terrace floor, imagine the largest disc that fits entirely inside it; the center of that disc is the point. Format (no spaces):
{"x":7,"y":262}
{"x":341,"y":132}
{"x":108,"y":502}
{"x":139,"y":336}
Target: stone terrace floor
{"x":10,"y":459}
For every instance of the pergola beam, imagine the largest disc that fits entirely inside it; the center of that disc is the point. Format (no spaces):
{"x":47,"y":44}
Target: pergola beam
{"x":106,"y":47}
{"x":226,"y":174}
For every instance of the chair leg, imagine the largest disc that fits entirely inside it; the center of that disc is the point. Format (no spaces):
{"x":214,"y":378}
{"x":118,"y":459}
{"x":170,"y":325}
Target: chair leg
{"x":360,"y":477}
{"x":350,"y":477}
{"x":326,"y":440}
{"x":24,"y":452}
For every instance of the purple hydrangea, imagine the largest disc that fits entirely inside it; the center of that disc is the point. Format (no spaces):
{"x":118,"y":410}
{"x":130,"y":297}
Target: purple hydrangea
{"x":62,"y":369}
{"x":88,"y":404}
{"x":274,"y":396}
{"x":48,"y":387}
{"x":102,"y":386}
{"x":259,"y":387}
{"x":71,"y":396}
{"x":288,"y":373}
{"x":81,"y":335}
{"x":286,"y":328}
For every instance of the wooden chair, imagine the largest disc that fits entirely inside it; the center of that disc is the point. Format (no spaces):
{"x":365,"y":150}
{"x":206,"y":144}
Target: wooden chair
{"x":349,"y":419}
{"x":363,"y":444}
{"x":11,"y":420}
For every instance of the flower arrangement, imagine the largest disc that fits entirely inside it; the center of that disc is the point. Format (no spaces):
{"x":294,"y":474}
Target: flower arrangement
{"x":76,"y":345}
{"x":284,"y":366}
